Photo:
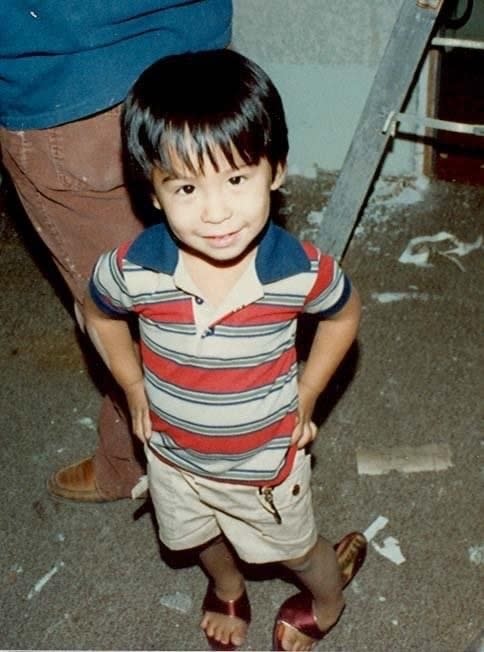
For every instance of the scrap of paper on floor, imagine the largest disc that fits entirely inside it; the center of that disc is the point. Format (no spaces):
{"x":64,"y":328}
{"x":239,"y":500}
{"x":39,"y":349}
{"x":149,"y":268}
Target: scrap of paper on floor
{"x":405,"y":459}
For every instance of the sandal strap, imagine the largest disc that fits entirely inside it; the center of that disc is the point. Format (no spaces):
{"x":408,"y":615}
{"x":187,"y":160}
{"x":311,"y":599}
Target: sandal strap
{"x":297,"y":612}
{"x":239,"y":608}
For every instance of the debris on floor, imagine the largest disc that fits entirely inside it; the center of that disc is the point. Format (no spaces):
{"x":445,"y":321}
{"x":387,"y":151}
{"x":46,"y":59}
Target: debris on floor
{"x":476,"y":555}
{"x":373,"y":529}
{"x":405,"y":459}
{"x":177,"y":601}
{"x":420,"y":250}
{"x":391,"y":297}
{"x":390,"y":549}
{"x":43,"y":580}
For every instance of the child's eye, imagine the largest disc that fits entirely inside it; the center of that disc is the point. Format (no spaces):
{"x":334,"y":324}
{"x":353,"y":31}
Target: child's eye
{"x":237,"y":180}
{"x":187,"y":189}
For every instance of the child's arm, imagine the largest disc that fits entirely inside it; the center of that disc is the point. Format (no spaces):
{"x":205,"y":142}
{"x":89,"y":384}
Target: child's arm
{"x":333,"y":338}
{"x":113,"y":341}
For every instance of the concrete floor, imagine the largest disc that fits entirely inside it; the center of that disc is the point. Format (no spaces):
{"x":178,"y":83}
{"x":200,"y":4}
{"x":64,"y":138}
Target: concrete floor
{"x":94,"y":576}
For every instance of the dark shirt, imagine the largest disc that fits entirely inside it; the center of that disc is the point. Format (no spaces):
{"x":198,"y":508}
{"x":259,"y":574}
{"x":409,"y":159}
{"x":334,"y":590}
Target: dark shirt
{"x":65,"y":60}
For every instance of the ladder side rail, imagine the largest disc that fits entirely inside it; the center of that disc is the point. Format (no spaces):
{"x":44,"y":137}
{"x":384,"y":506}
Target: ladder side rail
{"x":393,"y":80}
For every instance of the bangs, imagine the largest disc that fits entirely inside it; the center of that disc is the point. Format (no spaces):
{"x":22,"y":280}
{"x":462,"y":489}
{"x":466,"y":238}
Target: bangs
{"x":192,"y":145}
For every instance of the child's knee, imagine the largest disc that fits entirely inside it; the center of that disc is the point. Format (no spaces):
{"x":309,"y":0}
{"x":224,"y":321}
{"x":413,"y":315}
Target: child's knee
{"x":301,"y":564}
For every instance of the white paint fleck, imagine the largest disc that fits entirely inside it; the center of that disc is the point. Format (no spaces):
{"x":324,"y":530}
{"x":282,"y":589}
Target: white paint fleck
{"x":33,"y":14}
{"x":476,"y":554}
{"x":399,"y":192}
{"x":405,"y":459}
{"x":390,"y":549}
{"x":391,"y":297}
{"x":315,"y":217}
{"x":394,"y":621}
{"x":17,"y":568}
{"x":388,"y":196}
{"x":377,"y":525}
{"x":420,"y":249}
{"x":177,"y":601}
{"x":381,"y":598}
{"x":60,"y":450}
{"x":43,"y":580}
{"x":60,"y":537}
{"x":356,"y":587}
{"x":86,"y":422}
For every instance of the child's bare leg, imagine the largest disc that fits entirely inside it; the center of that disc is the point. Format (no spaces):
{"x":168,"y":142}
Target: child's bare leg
{"x":318,"y":570}
{"x":228,"y":582}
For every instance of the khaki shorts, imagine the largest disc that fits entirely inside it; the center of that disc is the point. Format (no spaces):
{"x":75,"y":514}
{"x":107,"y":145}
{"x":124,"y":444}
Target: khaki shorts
{"x":192,"y":510}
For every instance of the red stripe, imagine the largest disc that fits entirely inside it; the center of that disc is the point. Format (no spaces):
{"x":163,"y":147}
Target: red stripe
{"x":259,"y":314}
{"x":175,"y":311}
{"x":228,"y":445}
{"x":120,"y":253}
{"x":323,"y":279}
{"x":286,"y":469}
{"x":238,"y":379}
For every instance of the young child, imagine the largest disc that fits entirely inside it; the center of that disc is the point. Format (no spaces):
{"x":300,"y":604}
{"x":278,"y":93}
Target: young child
{"x":214,"y":391}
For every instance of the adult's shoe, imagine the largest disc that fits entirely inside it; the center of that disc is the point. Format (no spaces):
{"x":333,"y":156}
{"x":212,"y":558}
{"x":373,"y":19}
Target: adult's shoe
{"x":77,"y":483}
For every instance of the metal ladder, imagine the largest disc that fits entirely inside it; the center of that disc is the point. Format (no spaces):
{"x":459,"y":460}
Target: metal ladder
{"x":381,"y":115}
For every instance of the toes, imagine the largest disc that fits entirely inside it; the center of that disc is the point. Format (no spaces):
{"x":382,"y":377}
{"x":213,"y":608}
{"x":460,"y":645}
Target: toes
{"x":237,"y":638}
{"x":224,"y":629}
{"x":293,"y":641}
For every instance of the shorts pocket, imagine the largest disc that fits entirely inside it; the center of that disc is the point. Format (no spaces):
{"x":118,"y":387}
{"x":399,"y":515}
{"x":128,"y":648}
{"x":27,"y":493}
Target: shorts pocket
{"x":296,"y":485}
{"x":295,"y":488}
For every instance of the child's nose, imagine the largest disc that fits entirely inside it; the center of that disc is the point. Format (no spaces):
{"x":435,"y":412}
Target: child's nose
{"x":216,"y":209}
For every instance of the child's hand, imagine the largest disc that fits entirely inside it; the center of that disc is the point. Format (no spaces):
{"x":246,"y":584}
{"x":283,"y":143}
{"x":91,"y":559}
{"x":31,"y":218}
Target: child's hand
{"x":139,"y":410}
{"x":304,"y":433}
{"x":305,"y":430}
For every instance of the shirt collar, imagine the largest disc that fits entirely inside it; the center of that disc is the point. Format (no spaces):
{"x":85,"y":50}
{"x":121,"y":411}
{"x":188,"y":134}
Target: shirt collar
{"x":155,"y":249}
{"x":279,"y":254}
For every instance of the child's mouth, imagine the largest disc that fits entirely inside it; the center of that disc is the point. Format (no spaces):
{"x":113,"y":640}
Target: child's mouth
{"x":223,"y":240}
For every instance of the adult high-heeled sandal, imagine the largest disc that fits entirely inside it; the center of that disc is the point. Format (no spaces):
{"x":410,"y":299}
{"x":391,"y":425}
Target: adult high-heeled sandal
{"x":297,"y":611}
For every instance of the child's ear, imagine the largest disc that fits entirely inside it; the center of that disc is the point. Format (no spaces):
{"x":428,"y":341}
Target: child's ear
{"x":155,"y":202}
{"x":279,"y":176}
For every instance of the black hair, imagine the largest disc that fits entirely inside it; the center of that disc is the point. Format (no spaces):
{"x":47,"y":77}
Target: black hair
{"x":218,"y":98}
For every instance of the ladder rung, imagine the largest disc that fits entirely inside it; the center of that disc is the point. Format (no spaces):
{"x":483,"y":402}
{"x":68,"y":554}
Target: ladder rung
{"x":394,"y":118}
{"x":458,"y":43}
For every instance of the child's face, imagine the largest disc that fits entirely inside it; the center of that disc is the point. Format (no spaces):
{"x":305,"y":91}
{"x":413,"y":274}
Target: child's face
{"x":217,"y":214}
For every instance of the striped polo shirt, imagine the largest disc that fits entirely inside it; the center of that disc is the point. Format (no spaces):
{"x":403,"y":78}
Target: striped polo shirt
{"x":221,"y":382}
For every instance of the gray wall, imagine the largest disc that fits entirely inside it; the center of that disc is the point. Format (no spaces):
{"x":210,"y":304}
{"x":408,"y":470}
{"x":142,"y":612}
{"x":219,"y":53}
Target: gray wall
{"x":322,"y":55}
{"x":474,"y":28}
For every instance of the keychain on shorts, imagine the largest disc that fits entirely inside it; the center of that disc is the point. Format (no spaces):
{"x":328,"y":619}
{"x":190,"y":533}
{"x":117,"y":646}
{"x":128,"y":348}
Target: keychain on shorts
{"x":266,"y":492}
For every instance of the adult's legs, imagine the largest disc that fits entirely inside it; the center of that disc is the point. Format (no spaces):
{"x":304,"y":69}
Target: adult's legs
{"x":70,"y":182}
